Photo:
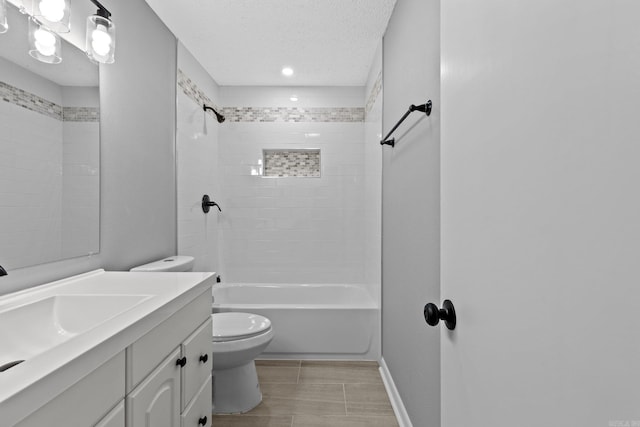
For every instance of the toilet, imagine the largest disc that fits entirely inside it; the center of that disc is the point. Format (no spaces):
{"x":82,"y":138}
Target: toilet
{"x":238,"y":338}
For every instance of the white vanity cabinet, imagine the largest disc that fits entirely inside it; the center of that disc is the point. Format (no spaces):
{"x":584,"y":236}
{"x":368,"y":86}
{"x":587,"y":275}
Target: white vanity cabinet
{"x":196,"y":350}
{"x":173,"y":393}
{"x":120,"y":350}
{"x":115,"y":418}
{"x":156,"y":401}
{"x":86,"y":402}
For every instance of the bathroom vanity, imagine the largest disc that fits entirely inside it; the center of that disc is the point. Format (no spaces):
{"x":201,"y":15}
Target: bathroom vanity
{"x":108,"y":349}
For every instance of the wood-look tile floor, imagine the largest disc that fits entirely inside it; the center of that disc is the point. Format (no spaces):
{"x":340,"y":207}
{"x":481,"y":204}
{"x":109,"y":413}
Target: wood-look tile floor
{"x":317,"y":394}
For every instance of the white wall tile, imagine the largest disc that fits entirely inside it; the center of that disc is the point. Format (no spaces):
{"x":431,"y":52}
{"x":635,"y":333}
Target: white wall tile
{"x":197,"y":169}
{"x":294,"y":230}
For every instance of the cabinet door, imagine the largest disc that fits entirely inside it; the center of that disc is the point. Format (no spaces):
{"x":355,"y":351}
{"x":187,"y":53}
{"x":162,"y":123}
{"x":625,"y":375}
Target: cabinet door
{"x":197,"y":350}
{"x":198,"y":413}
{"x":88,"y":409}
{"x":144,"y":355}
{"x":156,"y":401}
{"x":115,"y":418}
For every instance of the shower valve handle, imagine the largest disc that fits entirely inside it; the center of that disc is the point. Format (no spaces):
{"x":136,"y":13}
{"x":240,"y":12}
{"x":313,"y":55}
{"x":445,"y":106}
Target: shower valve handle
{"x":207,"y":203}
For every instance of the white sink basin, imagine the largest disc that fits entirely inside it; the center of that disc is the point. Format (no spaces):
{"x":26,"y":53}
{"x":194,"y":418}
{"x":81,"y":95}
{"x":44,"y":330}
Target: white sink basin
{"x":30,"y":329}
{"x":65,"y":330}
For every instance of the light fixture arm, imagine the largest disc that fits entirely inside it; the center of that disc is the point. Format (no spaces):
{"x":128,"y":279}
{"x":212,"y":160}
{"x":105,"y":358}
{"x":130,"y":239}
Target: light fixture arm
{"x":102,"y":11}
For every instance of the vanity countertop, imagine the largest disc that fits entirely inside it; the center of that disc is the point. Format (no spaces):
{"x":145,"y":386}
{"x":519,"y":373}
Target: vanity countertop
{"x":85,"y":319}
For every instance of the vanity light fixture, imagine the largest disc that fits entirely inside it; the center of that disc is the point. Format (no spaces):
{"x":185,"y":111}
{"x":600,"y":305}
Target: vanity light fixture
{"x":44,"y":44}
{"x":3,"y":17}
{"x":287,"y":71}
{"x":294,"y":98}
{"x":53,"y":14}
{"x":101,"y":36}
{"x":48,"y":18}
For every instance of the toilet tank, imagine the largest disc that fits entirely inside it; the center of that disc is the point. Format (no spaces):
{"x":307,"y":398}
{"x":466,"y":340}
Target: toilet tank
{"x":173,"y":263}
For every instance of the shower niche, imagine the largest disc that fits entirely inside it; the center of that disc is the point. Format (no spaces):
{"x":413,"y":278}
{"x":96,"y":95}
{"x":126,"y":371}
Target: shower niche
{"x":291,"y":163}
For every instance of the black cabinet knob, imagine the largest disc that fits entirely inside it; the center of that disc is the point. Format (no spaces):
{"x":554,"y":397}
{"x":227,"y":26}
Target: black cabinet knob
{"x":202,"y":421}
{"x":433,"y":314}
{"x":204,"y":358}
{"x":181,"y":362}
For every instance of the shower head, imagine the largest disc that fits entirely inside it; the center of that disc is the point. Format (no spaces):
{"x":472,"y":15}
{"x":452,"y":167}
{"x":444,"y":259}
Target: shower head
{"x":219,"y":116}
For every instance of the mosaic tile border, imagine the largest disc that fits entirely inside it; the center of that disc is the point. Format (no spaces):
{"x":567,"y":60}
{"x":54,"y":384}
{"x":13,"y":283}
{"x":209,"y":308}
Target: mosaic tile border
{"x":294,"y":114}
{"x":191,"y":89}
{"x":22,"y":98}
{"x":271,"y":114}
{"x":375,"y":91}
{"x":304,"y":163}
{"x":81,"y":114}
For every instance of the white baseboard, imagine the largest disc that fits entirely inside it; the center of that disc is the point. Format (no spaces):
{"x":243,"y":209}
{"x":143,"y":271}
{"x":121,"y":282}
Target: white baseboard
{"x":394,"y":396}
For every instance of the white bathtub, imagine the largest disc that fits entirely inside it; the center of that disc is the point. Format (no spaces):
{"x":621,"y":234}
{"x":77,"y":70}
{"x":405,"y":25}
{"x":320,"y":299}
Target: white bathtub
{"x":309,"y":321}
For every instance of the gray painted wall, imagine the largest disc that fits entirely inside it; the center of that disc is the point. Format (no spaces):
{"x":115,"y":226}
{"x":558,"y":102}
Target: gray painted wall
{"x":138,"y":140}
{"x":411,"y":208}
{"x":138,"y":196}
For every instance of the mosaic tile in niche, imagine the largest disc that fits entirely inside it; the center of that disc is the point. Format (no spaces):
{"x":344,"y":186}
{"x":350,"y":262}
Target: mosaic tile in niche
{"x":292,"y":163}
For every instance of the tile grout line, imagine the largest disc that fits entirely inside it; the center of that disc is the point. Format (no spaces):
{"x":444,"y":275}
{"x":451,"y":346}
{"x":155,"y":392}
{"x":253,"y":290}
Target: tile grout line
{"x":344,"y":392}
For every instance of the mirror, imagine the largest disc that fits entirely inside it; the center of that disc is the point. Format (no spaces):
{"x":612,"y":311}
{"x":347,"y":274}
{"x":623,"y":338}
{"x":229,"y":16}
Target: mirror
{"x":49,"y":152}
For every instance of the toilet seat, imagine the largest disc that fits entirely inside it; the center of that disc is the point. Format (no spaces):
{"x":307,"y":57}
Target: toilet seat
{"x":238,"y":326}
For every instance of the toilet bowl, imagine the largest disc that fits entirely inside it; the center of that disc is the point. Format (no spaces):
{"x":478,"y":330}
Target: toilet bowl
{"x":238,"y":338}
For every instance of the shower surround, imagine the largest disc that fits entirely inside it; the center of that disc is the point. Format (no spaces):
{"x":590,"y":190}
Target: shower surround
{"x":286,"y":231}
{"x":293,"y":229}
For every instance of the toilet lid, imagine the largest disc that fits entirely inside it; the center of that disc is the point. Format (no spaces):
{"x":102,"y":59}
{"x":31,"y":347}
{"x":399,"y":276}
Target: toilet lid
{"x":234,"y":326}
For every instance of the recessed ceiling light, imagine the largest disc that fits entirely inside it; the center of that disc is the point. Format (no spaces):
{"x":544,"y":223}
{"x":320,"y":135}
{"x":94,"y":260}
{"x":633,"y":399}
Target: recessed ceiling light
{"x":294,"y":98}
{"x":287,"y":71}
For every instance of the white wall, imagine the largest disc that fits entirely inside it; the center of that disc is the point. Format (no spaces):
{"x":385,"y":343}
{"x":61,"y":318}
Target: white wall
{"x":197,"y":167}
{"x":293,"y":230}
{"x":411,"y":208}
{"x":138,"y":196}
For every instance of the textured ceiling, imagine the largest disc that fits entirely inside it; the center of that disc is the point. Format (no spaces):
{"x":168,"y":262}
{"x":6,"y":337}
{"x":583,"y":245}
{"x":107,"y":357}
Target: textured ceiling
{"x":248,"y":42}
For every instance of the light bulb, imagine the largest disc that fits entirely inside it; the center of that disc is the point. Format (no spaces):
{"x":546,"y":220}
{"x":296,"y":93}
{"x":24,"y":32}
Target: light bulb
{"x":287,"y":71}
{"x":100,"y":40}
{"x":3,"y":17}
{"x":45,"y":42}
{"x":52,"y":10}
